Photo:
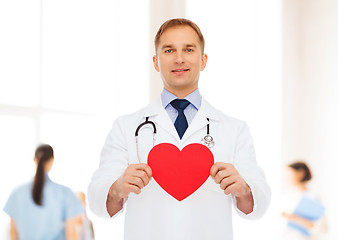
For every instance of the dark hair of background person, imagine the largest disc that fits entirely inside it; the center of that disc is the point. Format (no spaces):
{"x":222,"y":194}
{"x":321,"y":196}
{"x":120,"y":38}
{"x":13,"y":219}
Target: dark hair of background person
{"x":302,"y":166}
{"x":42,"y":154}
{"x":179,"y":22}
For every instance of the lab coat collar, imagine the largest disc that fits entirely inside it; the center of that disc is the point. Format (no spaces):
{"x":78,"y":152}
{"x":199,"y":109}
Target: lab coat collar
{"x":160,"y":116}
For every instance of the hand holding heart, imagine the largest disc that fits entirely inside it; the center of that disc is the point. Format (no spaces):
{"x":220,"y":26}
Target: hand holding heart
{"x":137,"y":176}
{"x":226,"y":175}
{"x":134,"y":178}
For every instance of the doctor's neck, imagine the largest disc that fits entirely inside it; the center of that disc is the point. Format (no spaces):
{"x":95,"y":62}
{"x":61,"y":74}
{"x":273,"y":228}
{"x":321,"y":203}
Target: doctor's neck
{"x":180,"y":93}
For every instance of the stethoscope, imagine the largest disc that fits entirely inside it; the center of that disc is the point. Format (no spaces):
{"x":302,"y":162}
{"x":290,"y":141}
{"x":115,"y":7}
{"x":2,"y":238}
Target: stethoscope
{"x":207,"y":140}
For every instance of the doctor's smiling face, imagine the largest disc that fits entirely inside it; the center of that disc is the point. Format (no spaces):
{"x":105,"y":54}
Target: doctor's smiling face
{"x":179,"y":59}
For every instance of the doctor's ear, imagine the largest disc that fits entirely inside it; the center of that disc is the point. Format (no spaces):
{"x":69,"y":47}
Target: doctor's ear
{"x":155,"y":62}
{"x":204,"y":61}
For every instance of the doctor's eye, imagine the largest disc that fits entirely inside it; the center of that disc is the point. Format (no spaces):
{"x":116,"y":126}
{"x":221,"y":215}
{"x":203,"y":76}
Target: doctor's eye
{"x":189,"y":50}
{"x":169,"y":51}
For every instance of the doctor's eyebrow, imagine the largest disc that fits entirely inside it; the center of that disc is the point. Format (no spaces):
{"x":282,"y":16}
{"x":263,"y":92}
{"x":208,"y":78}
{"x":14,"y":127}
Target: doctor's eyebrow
{"x":190,"y":46}
{"x":167,"y":46}
{"x":172,"y":46}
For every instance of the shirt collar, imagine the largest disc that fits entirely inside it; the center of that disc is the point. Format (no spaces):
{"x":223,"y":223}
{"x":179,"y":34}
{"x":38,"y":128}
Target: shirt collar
{"x":194,"y":98}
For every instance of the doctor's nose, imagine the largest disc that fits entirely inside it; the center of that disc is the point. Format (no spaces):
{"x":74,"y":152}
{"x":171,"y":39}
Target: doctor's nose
{"x":179,"y":58}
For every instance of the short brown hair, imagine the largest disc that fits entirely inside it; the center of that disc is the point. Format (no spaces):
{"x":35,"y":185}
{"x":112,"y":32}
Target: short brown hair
{"x":176,"y":22}
{"x":302,"y":166}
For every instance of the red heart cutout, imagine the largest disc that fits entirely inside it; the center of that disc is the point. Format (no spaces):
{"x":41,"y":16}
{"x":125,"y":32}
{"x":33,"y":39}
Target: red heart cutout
{"x":180,"y":173}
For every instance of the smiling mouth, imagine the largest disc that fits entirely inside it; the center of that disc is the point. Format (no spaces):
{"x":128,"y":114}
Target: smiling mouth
{"x":180,"y":70}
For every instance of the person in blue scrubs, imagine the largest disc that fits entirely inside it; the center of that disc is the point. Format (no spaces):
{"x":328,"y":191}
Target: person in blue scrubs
{"x":303,"y":210}
{"x":42,"y":209}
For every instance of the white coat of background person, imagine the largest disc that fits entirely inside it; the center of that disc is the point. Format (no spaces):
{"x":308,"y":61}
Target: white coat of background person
{"x":235,"y":178}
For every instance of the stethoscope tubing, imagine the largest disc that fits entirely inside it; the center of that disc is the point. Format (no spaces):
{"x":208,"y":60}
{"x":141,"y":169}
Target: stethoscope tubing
{"x":207,"y":140}
{"x":144,"y":123}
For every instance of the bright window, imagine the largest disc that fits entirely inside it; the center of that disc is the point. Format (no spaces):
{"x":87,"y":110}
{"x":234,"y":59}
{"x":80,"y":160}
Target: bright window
{"x":66,"y":65}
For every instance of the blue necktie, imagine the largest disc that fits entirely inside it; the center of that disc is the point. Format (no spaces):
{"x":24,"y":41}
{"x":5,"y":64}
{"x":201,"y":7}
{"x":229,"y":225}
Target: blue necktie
{"x":181,"y":123}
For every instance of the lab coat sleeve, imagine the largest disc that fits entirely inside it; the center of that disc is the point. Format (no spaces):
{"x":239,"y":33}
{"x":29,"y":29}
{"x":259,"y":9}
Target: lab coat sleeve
{"x":113,"y":162}
{"x":246,"y":165}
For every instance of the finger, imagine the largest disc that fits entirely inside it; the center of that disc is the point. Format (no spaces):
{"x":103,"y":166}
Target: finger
{"x":136,"y":181}
{"x":144,"y":167}
{"x":148,"y":171}
{"x":227,"y":182}
{"x":233,"y":189}
{"x":221,"y":175}
{"x":215,"y":169}
{"x":219,"y":166}
{"x":134,"y":189}
{"x":143,"y":176}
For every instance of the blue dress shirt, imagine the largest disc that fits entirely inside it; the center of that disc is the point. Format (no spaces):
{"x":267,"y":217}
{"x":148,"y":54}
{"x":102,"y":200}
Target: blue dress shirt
{"x":194,"y":98}
{"x":46,"y":222}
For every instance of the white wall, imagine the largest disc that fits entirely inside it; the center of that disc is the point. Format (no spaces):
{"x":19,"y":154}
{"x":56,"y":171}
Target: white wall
{"x":310,"y":93}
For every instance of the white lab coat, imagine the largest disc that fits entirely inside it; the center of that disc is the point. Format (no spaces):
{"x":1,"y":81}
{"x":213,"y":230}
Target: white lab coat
{"x":154,"y":214}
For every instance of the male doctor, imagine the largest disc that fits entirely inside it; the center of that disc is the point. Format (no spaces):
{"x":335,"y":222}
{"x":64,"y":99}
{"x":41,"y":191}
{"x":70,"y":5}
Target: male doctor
{"x":181,"y":115}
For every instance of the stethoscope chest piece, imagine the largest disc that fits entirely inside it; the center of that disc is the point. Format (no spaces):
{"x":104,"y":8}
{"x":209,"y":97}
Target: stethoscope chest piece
{"x":208,"y":141}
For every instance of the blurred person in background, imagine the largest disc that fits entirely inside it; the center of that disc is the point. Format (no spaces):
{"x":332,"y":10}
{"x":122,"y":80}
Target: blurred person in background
{"x":42,"y":209}
{"x":84,"y":226}
{"x":304,"y":212}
